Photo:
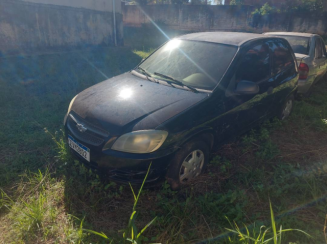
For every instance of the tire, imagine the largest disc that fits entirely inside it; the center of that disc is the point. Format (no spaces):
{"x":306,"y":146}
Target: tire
{"x":287,"y":108}
{"x":183,"y":168}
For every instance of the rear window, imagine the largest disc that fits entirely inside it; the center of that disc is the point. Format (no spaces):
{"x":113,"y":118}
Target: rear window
{"x":299,"y":44}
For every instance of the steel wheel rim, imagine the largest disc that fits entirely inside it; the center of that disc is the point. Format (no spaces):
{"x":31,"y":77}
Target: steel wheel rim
{"x":191,"y":166}
{"x":287,"y":109}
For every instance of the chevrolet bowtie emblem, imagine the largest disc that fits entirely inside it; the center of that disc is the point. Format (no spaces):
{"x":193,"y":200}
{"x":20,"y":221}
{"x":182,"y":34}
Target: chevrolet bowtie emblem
{"x":81,"y":128}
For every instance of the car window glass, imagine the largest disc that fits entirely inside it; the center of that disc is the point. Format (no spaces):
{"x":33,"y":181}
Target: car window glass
{"x":281,"y":55}
{"x":318,"y":49}
{"x":323,"y":47}
{"x":197,"y":64}
{"x":299,"y":44}
{"x":254,"y":66}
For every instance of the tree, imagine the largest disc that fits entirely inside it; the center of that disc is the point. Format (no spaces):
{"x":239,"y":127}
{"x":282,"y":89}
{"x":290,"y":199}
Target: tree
{"x":236,"y":2}
{"x":197,"y":2}
{"x":179,"y":1}
{"x":311,"y":5}
{"x":142,"y":2}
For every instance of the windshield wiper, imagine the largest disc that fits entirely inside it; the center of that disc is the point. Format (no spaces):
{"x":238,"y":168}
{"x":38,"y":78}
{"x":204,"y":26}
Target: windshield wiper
{"x":175,"y":81}
{"x":144,"y":71}
{"x":147,"y":75}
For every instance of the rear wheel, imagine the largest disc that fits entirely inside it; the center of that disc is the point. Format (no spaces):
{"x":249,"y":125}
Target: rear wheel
{"x":287,"y":108}
{"x":188,"y":163}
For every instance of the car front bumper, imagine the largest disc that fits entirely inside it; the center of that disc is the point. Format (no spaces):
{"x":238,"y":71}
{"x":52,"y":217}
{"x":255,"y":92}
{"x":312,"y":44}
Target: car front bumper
{"x":128,"y":167}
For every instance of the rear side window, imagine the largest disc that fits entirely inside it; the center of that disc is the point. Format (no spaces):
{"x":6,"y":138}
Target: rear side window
{"x":323,"y":48}
{"x":254,"y":64}
{"x":318,"y":49}
{"x":282,"y":57}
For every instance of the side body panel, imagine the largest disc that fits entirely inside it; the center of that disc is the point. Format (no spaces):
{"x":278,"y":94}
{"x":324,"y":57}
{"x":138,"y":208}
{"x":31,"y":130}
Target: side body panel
{"x":226,"y":117}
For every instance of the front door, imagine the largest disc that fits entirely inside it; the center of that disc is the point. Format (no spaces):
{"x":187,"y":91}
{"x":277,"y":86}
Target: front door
{"x":242,"y":112}
{"x":284,"y":72}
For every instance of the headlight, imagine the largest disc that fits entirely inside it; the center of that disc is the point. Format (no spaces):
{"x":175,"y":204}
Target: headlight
{"x":69,"y":108}
{"x":145,"y":141}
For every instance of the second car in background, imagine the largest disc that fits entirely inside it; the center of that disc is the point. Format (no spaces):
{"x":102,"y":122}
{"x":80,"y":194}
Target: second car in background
{"x":310,"y":52}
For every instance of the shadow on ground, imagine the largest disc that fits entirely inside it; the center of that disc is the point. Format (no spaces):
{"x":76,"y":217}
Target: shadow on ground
{"x":35,"y":92}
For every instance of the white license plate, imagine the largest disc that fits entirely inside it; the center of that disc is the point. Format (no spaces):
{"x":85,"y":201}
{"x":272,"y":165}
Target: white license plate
{"x":79,"y":148}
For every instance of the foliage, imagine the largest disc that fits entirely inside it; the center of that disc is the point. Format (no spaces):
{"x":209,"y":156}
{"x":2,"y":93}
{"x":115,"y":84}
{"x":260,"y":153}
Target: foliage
{"x":266,"y":9}
{"x":264,"y":233}
{"x":179,"y":1}
{"x":142,"y":2}
{"x":131,"y":233}
{"x":143,"y":54}
{"x":199,"y":2}
{"x":36,"y":212}
{"x":236,"y":2}
{"x":291,"y":6}
{"x":309,"y":5}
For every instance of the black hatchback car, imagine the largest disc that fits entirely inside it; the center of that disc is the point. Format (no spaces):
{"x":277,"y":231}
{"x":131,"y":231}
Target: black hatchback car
{"x":195,"y":91}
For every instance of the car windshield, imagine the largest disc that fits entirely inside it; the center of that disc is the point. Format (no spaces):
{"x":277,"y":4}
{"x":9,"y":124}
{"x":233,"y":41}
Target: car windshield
{"x":196,"y":64}
{"x":299,"y":44}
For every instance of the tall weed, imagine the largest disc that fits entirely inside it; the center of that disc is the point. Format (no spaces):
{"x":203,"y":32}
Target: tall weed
{"x":265,"y":235}
{"x":131,"y":233}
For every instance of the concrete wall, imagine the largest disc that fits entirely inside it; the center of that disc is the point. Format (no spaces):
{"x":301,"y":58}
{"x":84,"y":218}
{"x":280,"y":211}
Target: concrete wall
{"x":99,"y":5}
{"x":275,"y":3}
{"x":189,"y":17}
{"x":27,"y":26}
{"x":222,"y":18}
{"x":297,"y":22}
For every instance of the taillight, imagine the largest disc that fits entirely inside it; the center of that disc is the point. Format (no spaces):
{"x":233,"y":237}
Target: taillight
{"x":303,"y":71}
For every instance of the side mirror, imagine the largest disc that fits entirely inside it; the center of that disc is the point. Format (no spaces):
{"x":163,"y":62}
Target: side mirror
{"x":245,"y":87}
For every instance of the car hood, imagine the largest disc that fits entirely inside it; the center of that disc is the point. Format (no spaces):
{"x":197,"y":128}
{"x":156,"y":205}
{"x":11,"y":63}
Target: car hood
{"x":128,"y":103}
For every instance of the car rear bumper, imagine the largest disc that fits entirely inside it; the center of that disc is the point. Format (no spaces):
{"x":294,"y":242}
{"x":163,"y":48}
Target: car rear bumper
{"x":304,"y":85}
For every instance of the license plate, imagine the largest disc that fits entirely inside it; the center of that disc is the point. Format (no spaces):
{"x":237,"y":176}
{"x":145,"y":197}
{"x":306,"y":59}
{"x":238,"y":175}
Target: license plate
{"x":79,"y":148}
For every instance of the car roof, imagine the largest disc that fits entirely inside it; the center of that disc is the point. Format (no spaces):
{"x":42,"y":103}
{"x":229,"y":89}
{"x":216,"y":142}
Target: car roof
{"x":290,"y":34}
{"x":229,"y":38}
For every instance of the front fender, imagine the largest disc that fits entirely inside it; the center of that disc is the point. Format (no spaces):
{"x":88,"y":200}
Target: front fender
{"x":205,"y":133}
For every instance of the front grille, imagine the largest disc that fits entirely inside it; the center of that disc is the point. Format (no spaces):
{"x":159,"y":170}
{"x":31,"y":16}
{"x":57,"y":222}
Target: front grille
{"x":93,"y":135}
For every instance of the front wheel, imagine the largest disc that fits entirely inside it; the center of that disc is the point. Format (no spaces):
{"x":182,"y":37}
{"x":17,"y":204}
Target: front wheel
{"x":287,"y":108}
{"x":188,"y":163}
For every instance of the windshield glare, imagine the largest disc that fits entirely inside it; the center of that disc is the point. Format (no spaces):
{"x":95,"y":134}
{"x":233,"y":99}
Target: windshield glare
{"x":197,"y":64}
{"x":299,"y":44}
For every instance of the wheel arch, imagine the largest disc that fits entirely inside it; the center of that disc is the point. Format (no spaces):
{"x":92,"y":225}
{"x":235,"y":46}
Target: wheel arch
{"x":205,"y":134}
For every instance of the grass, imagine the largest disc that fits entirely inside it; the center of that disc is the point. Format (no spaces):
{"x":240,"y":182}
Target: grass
{"x":264,"y":235}
{"x":131,"y":233}
{"x":48,"y":197}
